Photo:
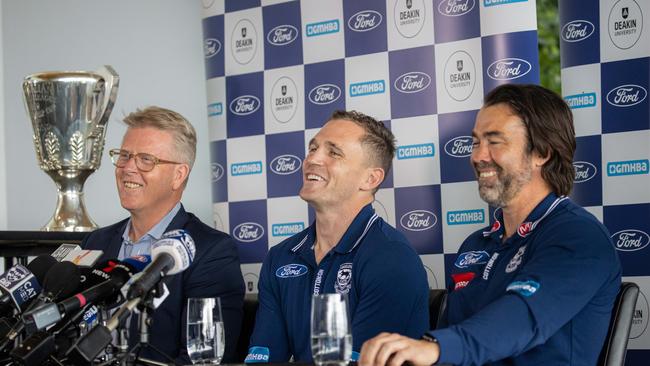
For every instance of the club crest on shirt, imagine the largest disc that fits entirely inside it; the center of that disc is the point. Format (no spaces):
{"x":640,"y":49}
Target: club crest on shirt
{"x":516,"y":260}
{"x":343,"y":279}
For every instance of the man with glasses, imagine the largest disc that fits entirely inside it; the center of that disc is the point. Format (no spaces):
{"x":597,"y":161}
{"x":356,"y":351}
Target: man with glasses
{"x":152,"y":168}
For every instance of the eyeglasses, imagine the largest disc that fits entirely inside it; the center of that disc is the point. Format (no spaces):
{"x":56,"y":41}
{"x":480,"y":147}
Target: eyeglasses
{"x":143,"y":161}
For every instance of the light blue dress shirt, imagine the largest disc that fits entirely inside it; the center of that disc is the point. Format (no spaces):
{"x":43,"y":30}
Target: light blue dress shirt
{"x":143,"y":245}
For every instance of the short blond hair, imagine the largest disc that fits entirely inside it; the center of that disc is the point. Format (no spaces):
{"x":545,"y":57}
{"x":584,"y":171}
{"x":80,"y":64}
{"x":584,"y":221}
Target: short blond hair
{"x":167,"y":120}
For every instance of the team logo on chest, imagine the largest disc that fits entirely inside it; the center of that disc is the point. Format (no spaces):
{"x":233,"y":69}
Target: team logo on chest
{"x":516,"y":260}
{"x":343,"y":279}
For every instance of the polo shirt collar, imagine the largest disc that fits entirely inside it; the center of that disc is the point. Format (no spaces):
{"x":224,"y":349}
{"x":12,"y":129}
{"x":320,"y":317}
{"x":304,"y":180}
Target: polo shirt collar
{"x":350,"y":239}
{"x":543,"y":209}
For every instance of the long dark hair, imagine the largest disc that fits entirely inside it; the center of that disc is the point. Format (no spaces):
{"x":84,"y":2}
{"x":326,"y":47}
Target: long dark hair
{"x":549,"y":125}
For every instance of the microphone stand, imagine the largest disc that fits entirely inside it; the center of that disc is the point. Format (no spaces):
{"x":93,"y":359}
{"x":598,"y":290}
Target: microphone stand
{"x":132,"y":356}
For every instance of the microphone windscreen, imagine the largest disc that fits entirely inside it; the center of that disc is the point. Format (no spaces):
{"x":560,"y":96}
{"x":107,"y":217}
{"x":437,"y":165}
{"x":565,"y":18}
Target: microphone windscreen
{"x":180,"y":248}
{"x":62,"y":280}
{"x":40,"y":265}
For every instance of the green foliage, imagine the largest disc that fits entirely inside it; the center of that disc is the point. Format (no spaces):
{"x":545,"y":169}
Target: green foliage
{"x":549,"y":44}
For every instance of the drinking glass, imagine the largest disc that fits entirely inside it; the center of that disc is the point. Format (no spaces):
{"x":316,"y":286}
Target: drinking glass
{"x":331,"y":335}
{"x":205,"y":331}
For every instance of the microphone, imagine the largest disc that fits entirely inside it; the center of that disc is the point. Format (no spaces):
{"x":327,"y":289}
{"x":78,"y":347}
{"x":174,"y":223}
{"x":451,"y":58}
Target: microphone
{"x":83,"y":257}
{"x":115,"y":275}
{"x":20,"y":284}
{"x":171,"y":254}
{"x":60,"y":282}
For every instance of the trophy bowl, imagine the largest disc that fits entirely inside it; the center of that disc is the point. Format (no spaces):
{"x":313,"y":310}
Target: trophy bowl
{"x":69,"y":111}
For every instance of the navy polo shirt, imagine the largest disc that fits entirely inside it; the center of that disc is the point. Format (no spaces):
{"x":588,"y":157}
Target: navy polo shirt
{"x":542,"y":297}
{"x":373,"y":264}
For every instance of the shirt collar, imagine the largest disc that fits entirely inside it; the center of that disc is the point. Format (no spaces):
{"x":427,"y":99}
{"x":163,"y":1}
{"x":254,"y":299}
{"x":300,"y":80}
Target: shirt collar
{"x":543,"y":209}
{"x":352,"y":236}
{"x":155,"y":232}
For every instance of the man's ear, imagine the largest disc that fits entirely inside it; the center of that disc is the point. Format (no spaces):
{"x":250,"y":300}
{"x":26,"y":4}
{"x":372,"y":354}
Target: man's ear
{"x":540,"y":160}
{"x":374,"y":177}
{"x":180,"y":176}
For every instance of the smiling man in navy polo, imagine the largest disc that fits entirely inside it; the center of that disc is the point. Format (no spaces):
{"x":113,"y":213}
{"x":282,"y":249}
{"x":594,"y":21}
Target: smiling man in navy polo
{"x":538,"y":286}
{"x":349,"y":249}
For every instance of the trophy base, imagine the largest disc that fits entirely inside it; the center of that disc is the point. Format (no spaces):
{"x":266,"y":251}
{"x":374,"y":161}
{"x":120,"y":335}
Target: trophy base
{"x":69,"y":228}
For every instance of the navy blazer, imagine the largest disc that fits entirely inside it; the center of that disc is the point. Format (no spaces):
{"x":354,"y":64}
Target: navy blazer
{"x":214,"y":272}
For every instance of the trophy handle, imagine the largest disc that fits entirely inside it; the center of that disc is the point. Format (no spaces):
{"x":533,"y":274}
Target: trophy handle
{"x":111,"y":84}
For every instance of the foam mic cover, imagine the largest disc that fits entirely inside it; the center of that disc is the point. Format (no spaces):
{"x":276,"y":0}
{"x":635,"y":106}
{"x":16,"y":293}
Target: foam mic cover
{"x":40,"y":265}
{"x":180,"y":245}
{"x":61,"y":280}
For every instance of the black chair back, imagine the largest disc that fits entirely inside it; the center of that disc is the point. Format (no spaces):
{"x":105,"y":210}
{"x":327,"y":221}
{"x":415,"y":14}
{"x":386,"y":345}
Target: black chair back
{"x":437,"y":308}
{"x":248,"y":323}
{"x":615,"y":347}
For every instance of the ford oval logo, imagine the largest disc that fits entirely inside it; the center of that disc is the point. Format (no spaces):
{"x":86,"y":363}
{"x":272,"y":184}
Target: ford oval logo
{"x":365,"y":20}
{"x":282,"y":35}
{"x":291,"y":270}
{"x":211,"y":47}
{"x":245,"y":105}
{"x":217,"y":171}
{"x":630,"y":240}
{"x":577,"y":30}
{"x":324,"y":94}
{"x":584,"y":171}
{"x":459,"y":147}
{"x":455,"y":8}
{"x":508,"y":68}
{"x":285,"y":164}
{"x":418,"y":220}
{"x":248,"y":232}
{"x":626,"y":95}
{"x":412,"y":82}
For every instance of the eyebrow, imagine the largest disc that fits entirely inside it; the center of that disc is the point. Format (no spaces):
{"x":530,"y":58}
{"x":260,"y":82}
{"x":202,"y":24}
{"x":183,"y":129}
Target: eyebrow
{"x":489,"y":134}
{"x":328,"y":144}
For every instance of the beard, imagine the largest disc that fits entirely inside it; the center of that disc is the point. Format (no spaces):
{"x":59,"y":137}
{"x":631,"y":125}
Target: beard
{"x":507,"y":184}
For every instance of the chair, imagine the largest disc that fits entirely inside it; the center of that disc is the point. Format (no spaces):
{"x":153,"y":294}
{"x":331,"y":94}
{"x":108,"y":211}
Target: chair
{"x":615,"y":347}
{"x":437,"y":308}
{"x":248,"y":323}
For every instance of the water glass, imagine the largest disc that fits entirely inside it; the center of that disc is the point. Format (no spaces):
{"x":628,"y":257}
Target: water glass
{"x":205,"y":331}
{"x":331,"y":333}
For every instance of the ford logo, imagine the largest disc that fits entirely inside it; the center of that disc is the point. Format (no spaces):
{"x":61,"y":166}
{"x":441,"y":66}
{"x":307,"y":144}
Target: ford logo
{"x":282,"y":35}
{"x":508,"y":69}
{"x":467,"y":259}
{"x":577,"y":30}
{"x":459,"y":147}
{"x":584,"y":171}
{"x":248,"y":232}
{"x":245,"y":105}
{"x":418,"y":220}
{"x":630,"y":240}
{"x":211,"y":47}
{"x":412,"y":82}
{"x":217,"y":171}
{"x":626,"y":95}
{"x":365,"y":20}
{"x":455,"y":8}
{"x":291,"y":270}
{"x":324,"y":94}
{"x":285,"y":164}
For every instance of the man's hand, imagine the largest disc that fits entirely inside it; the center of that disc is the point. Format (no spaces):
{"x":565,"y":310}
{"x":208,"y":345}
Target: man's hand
{"x":392,"y":349}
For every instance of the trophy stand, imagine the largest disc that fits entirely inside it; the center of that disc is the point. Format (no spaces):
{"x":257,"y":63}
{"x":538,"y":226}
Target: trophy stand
{"x":70,"y":209}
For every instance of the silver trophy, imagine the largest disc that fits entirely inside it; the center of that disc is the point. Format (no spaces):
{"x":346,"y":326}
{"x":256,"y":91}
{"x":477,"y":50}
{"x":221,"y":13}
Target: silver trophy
{"x":69,"y":111}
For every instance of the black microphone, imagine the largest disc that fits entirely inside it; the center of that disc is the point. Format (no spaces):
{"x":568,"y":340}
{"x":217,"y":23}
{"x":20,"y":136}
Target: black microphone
{"x":115,"y":274}
{"x":20,"y":285}
{"x":60,"y":281}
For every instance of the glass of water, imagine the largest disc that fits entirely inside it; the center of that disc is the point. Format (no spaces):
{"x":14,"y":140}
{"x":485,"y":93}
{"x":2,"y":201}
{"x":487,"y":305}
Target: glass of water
{"x":331,"y":333}
{"x":205,"y":331}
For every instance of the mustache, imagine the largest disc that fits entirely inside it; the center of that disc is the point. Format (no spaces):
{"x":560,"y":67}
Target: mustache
{"x":485,"y":165}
